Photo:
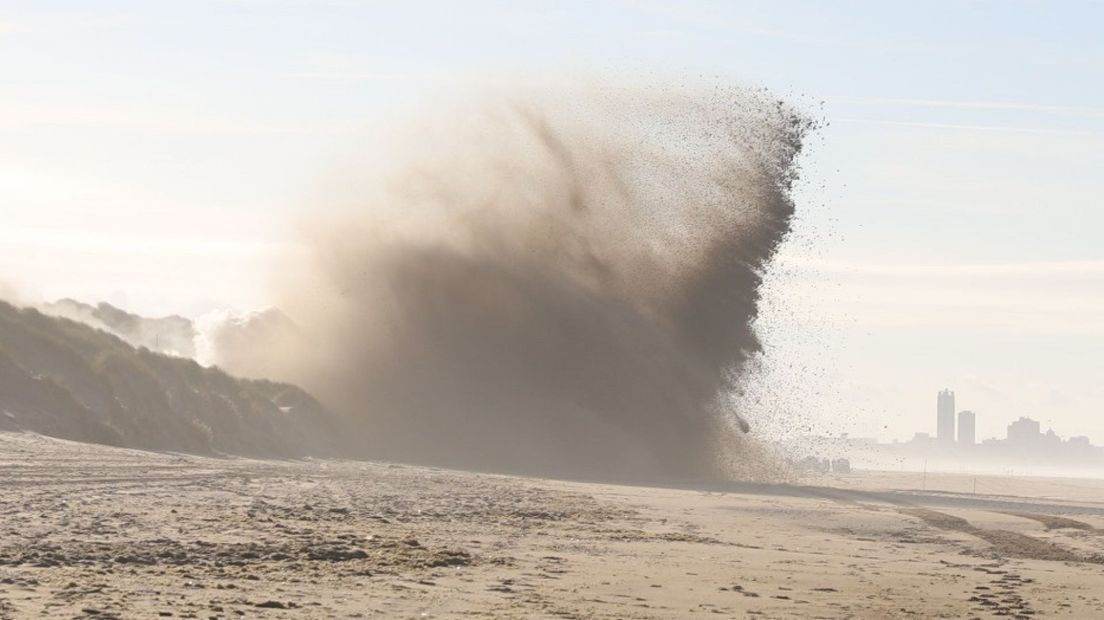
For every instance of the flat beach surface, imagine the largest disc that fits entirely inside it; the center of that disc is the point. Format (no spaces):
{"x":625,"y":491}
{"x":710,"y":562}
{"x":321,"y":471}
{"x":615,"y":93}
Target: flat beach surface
{"x":90,"y":531}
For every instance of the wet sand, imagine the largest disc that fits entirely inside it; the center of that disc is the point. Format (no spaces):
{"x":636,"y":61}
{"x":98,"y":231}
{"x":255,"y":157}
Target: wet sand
{"x":90,"y":531}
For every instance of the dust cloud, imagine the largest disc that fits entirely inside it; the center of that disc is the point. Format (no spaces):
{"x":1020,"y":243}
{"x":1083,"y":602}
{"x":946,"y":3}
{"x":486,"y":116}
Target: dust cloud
{"x":554,"y":284}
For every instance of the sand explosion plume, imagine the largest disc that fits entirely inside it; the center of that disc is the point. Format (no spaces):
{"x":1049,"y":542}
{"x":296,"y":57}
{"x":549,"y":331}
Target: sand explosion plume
{"x":558,"y":285}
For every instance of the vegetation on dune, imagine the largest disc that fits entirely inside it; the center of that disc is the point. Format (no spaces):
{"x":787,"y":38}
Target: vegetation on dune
{"x":65,"y":379}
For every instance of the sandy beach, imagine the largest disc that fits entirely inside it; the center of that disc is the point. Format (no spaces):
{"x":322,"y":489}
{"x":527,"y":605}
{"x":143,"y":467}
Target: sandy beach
{"x":91,"y":531}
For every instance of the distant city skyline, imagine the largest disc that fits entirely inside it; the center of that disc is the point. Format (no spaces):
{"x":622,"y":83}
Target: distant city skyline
{"x":960,"y":428}
{"x":1023,"y":447}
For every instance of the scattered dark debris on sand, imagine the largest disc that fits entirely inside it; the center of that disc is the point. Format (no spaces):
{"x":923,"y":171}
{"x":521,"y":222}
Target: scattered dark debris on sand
{"x":1002,"y":597}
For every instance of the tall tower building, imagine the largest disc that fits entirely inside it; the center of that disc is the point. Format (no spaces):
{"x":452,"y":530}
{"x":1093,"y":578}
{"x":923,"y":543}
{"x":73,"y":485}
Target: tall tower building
{"x":945,"y":420}
{"x":966,"y":428}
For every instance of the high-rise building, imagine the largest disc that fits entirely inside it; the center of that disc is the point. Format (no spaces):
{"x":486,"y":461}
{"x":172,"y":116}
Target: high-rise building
{"x":966,"y":428}
{"x":1024,"y":432}
{"x":945,"y":420}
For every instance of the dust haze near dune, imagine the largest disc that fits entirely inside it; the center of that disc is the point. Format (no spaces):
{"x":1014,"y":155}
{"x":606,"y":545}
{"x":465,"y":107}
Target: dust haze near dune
{"x":11,"y":293}
{"x":561,"y":284}
{"x":172,"y":335}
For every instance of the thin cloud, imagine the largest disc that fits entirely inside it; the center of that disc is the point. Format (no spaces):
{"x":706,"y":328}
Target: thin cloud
{"x":1076,"y":268}
{"x":38,"y":239}
{"x":963,"y":127}
{"x":713,"y":19}
{"x":15,"y":116}
{"x":60,"y":22}
{"x":961,"y":104}
{"x":368,"y":76}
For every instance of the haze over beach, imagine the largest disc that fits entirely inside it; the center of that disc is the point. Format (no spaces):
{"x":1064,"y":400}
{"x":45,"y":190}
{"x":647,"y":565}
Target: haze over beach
{"x":576,"y":310}
{"x":942,"y":238}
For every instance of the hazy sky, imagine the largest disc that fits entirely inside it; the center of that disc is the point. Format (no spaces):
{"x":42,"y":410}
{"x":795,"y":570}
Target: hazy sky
{"x":950,"y":233}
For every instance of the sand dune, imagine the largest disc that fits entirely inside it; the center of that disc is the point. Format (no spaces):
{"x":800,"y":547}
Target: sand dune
{"x":65,"y":379}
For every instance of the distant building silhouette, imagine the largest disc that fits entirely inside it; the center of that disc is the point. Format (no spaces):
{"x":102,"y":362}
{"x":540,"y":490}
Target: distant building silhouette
{"x":1079,"y":443}
{"x":945,"y":420}
{"x":1026,"y":443}
{"x":1024,"y":433}
{"x":967,"y":424}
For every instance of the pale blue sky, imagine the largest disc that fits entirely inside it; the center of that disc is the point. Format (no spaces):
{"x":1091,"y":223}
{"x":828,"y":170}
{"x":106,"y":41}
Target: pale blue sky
{"x":950,"y":228}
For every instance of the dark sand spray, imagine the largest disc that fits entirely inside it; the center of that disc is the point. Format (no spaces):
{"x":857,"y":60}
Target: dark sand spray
{"x":548,"y":284}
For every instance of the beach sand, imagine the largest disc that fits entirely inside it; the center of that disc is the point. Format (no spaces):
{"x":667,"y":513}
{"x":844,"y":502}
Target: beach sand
{"x":91,"y":531}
